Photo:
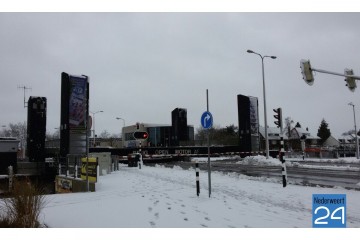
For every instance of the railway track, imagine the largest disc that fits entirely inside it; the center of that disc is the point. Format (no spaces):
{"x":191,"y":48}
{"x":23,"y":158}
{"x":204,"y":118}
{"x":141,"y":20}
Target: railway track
{"x":297,"y":174}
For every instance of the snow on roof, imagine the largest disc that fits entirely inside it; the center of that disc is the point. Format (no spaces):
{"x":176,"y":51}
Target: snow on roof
{"x":273,"y":132}
{"x":302,"y":131}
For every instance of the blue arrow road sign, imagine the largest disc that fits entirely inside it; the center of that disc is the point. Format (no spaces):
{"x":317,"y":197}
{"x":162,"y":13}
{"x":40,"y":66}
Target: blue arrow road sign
{"x":206,"y":120}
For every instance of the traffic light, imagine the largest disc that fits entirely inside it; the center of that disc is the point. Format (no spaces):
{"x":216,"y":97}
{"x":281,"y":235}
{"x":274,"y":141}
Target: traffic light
{"x":278,"y":117}
{"x":350,"y":81}
{"x":141,"y":135}
{"x":306,"y":71}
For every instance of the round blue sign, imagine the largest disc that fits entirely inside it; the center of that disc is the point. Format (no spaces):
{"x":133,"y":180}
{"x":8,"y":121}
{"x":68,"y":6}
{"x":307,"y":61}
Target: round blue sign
{"x":206,"y":120}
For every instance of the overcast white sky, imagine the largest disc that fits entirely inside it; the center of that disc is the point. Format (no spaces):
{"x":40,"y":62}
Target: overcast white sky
{"x":143,"y":65}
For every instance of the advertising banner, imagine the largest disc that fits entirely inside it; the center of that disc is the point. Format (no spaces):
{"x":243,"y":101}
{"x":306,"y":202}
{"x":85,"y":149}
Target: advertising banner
{"x":92,"y":169}
{"x":63,"y":185}
{"x":74,"y":112}
{"x":254,"y":116}
{"x":77,"y":103}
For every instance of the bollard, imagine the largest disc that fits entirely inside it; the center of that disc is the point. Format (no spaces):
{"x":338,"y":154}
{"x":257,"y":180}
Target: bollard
{"x":11,"y":176}
{"x":76,"y":171}
{"x":197,"y":178}
{"x":140,"y":157}
{"x":283,"y":166}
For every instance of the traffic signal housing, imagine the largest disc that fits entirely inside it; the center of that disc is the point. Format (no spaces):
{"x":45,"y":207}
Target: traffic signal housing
{"x":278,"y":117}
{"x":140,"y":135}
{"x":306,"y":71}
{"x":350,"y":81}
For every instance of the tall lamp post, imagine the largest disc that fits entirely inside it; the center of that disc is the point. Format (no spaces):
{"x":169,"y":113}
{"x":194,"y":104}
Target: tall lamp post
{"x":119,"y":118}
{"x":265,"y":115}
{"x":356,"y":137}
{"x":93,"y":113}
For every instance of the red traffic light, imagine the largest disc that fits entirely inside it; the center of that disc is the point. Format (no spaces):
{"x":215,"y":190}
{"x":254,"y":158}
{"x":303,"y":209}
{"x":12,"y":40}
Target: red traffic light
{"x":141,"y":135}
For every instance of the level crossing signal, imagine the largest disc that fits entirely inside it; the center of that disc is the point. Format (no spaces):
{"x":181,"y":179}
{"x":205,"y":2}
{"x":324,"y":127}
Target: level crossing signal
{"x":140,"y":135}
{"x":278,"y":117}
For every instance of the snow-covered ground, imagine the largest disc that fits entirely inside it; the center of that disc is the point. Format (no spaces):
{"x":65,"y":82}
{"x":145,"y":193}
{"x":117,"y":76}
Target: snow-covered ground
{"x":158,"y":197}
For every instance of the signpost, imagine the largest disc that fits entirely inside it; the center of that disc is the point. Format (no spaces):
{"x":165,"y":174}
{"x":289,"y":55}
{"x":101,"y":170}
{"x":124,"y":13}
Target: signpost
{"x":206,"y":123}
{"x":206,"y":120}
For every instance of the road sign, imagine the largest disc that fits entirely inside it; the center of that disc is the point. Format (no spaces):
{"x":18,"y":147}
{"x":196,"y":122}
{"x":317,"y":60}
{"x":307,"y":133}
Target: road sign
{"x":206,"y":120}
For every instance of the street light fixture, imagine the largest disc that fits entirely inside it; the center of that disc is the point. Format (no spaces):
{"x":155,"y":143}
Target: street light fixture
{"x":356,"y":137}
{"x":119,"y":118}
{"x":93,"y":122}
{"x":265,"y":116}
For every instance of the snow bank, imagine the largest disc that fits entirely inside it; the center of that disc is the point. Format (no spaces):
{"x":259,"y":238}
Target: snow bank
{"x":260,"y":160}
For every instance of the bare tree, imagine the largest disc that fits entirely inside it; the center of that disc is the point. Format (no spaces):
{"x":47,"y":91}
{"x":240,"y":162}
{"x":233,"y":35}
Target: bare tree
{"x":16,"y":130}
{"x":104,"y":134}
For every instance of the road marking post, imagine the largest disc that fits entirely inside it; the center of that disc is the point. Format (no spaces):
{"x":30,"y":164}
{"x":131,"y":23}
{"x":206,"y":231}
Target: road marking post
{"x":197,"y":178}
{"x":283,"y":165}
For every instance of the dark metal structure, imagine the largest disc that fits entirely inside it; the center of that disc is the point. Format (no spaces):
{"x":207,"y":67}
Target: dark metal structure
{"x":248,"y":123}
{"x":36,"y":129}
{"x":179,"y":126}
{"x":74,"y":115}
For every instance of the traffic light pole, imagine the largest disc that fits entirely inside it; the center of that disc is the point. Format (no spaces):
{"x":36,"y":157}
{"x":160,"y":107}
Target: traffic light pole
{"x":334,"y":73}
{"x":282,"y":153}
{"x":278,"y":117}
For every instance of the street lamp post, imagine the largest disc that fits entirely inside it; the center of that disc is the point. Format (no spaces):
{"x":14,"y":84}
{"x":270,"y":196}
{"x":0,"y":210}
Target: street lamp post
{"x":119,"y":118}
{"x":93,"y":113}
{"x":264,"y":94}
{"x":356,"y":137}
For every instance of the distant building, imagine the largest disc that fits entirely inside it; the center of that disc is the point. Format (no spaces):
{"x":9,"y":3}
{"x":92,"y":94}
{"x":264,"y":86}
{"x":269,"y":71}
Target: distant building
{"x":273,"y":136}
{"x":331,"y":142}
{"x":160,"y":135}
{"x":291,"y":143}
{"x":297,"y":132}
